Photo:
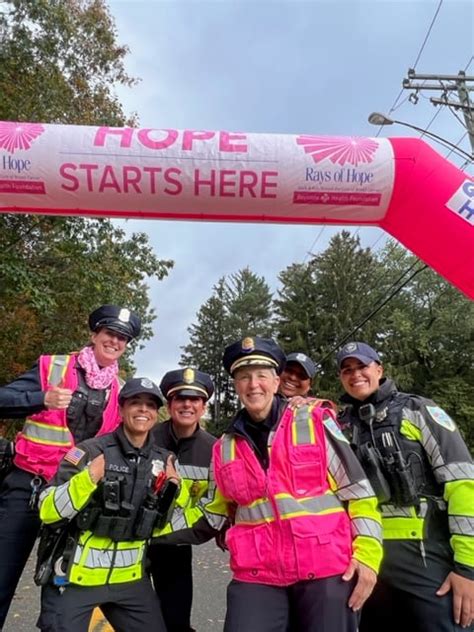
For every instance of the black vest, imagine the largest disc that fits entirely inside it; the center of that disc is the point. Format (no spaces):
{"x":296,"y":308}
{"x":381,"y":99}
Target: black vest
{"x":117,"y":506}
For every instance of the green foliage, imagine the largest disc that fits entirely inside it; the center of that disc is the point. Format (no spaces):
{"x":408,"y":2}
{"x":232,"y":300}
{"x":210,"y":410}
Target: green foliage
{"x":59,"y":63}
{"x":240,"y":305}
{"x":320,"y":302}
{"x":54,"y":272}
{"x":421,"y":325}
{"x":425,"y":332}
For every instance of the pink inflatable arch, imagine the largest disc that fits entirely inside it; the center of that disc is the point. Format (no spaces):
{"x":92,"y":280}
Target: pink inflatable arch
{"x":399,"y":184}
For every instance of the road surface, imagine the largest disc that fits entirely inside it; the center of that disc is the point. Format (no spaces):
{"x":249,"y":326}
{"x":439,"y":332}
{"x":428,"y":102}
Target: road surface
{"x":211,"y":576}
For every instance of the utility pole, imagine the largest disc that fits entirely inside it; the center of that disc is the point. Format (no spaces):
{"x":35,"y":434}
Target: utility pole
{"x":460,"y":83}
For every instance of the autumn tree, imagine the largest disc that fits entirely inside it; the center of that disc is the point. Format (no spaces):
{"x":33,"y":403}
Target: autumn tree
{"x":60,"y":62}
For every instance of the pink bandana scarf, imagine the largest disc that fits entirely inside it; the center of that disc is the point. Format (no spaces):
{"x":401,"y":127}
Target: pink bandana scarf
{"x":95,"y":376}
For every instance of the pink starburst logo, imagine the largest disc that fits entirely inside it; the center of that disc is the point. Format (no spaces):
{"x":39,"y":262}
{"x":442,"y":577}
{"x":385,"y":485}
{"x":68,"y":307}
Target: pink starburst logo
{"x":14,"y":136}
{"x":339,"y":149}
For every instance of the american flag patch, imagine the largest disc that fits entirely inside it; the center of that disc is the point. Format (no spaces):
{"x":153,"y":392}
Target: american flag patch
{"x":74,"y":455}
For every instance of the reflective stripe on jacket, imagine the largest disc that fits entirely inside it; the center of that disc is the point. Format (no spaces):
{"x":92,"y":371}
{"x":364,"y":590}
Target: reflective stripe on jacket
{"x":96,"y":560}
{"x":45,"y":437}
{"x":421,"y":426}
{"x":290,"y":521}
{"x":189,"y":524}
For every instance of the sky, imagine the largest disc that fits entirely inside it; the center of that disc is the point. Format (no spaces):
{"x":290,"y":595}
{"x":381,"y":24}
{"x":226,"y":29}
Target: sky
{"x":311,"y":67}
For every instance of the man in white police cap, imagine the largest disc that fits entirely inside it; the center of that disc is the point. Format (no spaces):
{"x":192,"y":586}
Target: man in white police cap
{"x":187,"y":392}
{"x":65,"y":399}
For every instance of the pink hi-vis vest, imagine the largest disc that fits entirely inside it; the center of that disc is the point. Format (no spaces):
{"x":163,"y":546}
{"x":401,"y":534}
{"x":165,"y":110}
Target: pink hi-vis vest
{"x":289,"y":526}
{"x":45,"y":437}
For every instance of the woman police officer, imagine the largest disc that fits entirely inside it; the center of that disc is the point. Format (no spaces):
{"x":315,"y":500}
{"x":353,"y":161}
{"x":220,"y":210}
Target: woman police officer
{"x":65,"y":399}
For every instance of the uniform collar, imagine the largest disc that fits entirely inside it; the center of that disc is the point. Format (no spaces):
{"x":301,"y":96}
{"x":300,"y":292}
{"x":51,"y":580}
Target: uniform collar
{"x":177,"y":439}
{"x":130,"y":450}
{"x":242,"y":418}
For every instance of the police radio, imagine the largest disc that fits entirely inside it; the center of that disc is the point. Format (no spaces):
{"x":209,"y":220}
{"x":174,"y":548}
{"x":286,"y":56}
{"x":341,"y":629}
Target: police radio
{"x":371,"y":458}
{"x":387,"y":469}
{"x":405,"y":491}
{"x":158,"y":506}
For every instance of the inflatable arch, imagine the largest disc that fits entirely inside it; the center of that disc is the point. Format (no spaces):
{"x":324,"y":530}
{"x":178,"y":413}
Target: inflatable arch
{"x":401,"y":184}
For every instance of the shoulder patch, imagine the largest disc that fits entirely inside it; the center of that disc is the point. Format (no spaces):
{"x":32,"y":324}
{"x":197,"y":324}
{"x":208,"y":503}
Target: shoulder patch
{"x":334,"y":429}
{"x":441,"y":417}
{"x":74,"y":455}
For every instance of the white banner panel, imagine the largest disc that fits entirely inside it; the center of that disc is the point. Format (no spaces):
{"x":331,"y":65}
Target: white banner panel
{"x":187,"y":174}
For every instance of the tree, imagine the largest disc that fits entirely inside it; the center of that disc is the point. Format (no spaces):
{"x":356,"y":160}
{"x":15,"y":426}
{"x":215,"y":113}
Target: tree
{"x":56,"y":274}
{"x":59,"y":63}
{"x":207,"y":339}
{"x":249,"y":305}
{"x":320,"y":302}
{"x":423,"y":327}
{"x":239,"y":306}
{"x":428,"y":340}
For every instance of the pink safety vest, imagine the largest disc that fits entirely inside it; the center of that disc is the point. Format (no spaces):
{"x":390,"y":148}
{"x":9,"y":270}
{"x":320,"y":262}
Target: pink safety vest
{"x":45,"y":438}
{"x":289,"y":526}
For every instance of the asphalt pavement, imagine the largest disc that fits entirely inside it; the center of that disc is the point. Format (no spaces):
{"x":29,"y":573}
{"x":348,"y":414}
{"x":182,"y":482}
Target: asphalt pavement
{"x":211,"y":576}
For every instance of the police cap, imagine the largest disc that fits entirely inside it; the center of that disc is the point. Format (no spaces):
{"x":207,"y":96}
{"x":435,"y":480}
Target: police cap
{"x":359,"y":350}
{"x":304,"y":361}
{"x":115,"y":318}
{"x":187,"y":382}
{"x":136,"y":386}
{"x":253,"y":351}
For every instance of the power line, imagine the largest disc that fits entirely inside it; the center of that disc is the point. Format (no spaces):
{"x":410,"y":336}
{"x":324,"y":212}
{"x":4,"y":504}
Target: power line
{"x":400,"y":104}
{"x":469,"y":63}
{"x":382,"y":234}
{"x":310,"y":251}
{"x":395,"y":103}
{"x":371,"y":314}
{"x":428,"y":34}
{"x":457,"y":144}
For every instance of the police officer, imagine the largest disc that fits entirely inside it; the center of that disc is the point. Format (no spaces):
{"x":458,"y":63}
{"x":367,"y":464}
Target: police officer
{"x":110,"y":496}
{"x":65,"y":399}
{"x":288,"y":474}
{"x":424,"y":477}
{"x":187,"y":392}
{"x":295,"y":379}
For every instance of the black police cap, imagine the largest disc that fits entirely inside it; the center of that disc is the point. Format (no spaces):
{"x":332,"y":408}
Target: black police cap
{"x":188,"y":382}
{"x":304,"y":361}
{"x":115,"y":318}
{"x":137,"y":386}
{"x":253,"y":351}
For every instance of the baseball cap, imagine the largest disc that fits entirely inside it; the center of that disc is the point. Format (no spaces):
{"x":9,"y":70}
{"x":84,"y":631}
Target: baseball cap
{"x":137,"y":386}
{"x":359,"y":350}
{"x":304,"y":361}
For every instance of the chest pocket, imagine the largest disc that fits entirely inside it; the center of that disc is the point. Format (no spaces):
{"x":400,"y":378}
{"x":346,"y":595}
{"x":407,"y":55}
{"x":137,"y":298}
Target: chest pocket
{"x":241,"y":479}
{"x":307,"y":454}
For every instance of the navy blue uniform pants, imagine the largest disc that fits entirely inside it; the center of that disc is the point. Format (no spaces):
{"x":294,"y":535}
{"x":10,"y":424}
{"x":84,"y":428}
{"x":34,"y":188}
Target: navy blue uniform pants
{"x":19,"y":526}
{"x":405,"y":597}
{"x":318,"y":605}
{"x":129,"y":607}
{"x":172,"y":573}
